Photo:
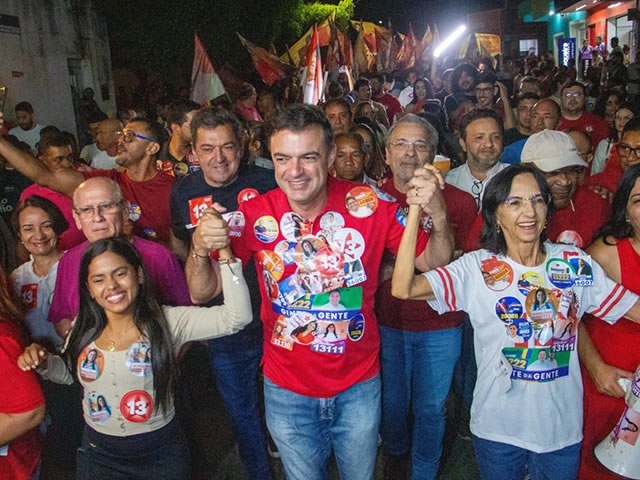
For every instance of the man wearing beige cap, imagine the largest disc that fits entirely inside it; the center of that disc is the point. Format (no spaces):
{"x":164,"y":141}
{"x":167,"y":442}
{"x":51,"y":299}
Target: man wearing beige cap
{"x":578,"y":212}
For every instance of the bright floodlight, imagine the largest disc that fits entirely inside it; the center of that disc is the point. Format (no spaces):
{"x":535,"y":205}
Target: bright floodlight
{"x":449,"y":40}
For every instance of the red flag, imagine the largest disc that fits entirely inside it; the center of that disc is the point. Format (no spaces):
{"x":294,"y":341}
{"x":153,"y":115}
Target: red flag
{"x":313,"y":81}
{"x":270,"y":68}
{"x":205,"y":82}
{"x":406,"y":56}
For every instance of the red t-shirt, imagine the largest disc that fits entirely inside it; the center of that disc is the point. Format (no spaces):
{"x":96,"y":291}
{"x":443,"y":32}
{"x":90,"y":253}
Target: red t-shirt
{"x":19,"y":393}
{"x":610,"y":177}
{"x":315,"y":344}
{"x":416,"y":315}
{"x":575,"y":227}
{"x":593,"y":125}
{"x":391,"y":105}
{"x":149,"y":210}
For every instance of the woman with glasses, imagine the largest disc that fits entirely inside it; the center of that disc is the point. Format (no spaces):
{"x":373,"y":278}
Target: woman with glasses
{"x":130,"y":429}
{"x":524,"y":415}
{"x":605,"y":148}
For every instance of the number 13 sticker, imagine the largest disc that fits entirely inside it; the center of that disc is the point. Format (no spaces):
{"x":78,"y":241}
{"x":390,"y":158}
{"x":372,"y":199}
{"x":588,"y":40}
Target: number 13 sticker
{"x":136,"y":406}
{"x":197,"y":206}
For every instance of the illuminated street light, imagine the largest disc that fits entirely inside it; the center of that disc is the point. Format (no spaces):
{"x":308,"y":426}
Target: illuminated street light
{"x":449,"y":40}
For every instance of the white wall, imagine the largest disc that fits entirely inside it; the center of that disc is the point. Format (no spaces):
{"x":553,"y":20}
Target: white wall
{"x":51,"y":33}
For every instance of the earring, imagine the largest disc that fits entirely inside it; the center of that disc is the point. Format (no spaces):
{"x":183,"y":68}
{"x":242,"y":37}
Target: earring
{"x":498,"y":228}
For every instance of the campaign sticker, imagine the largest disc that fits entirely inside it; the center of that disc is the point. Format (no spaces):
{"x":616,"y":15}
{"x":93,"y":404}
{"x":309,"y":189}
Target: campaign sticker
{"x":135,"y":212}
{"x":519,"y":332}
{"x":497,"y":274}
{"x":136,"y":406}
{"x":350,"y":242}
{"x":286,"y":250}
{"x":628,"y":428}
{"x":329,"y":262}
{"x":279,"y":336}
{"x":529,"y":281}
{"x":197,"y":207}
{"x":303,"y":328}
{"x":247,"y":194}
{"x":560,"y":273}
{"x":99,"y":409}
{"x":289,"y":290}
{"x":542,"y":308}
{"x":354,"y":273}
{"x":306,"y":252}
{"x":509,"y":309}
{"x":139,"y":359}
{"x":180,"y":169}
{"x":90,"y":364}
{"x":235,"y":222}
{"x":361,"y":201}
{"x":271,"y":262}
{"x":570,"y":237}
{"x":401,"y":216}
{"x":356,"y":328}
{"x":331,"y":222}
{"x":29,"y":295}
{"x":149,"y":233}
{"x":294,"y":227}
{"x":584,"y":272}
{"x":266,"y":229}
{"x":165,"y":167}
{"x":383,"y":195}
{"x":270,"y":285}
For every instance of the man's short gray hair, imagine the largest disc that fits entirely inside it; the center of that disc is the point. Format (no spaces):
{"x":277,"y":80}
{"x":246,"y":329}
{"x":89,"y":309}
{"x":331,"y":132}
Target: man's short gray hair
{"x":416,"y":120}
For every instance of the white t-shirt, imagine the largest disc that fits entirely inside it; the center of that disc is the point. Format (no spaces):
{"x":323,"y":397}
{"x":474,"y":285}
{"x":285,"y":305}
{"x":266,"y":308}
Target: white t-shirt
{"x":31,"y":137}
{"x":406,"y":95}
{"x":462,"y":178}
{"x":36,"y":294}
{"x":88,"y":152}
{"x":497,"y":292}
{"x":104,"y":161}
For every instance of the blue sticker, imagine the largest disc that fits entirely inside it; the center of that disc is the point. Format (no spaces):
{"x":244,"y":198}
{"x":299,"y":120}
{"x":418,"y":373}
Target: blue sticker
{"x":519,"y":332}
{"x":509,"y":309}
{"x":560,"y":273}
{"x":356,"y":327}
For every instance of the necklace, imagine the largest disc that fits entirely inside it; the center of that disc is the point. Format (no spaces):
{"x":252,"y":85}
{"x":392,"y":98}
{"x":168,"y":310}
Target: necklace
{"x":112,"y":343}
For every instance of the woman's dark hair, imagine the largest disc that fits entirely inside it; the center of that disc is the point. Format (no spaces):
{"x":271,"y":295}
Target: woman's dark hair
{"x":58,"y":222}
{"x":601,"y":102}
{"x":536,"y":303}
{"x":626,"y":106}
{"x":147,"y":316}
{"x":427,"y":86}
{"x":617,"y":225}
{"x":495,"y":194}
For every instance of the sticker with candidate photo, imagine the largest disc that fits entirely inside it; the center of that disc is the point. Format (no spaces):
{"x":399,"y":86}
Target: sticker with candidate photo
{"x":584,"y":271}
{"x":247,"y":194}
{"x":361,"y":201}
{"x":286,"y":251}
{"x":289,"y":290}
{"x":266,"y":229}
{"x":271,"y":262}
{"x":235,"y":221}
{"x":519,"y":332}
{"x":279,"y":336}
{"x":350,"y":242}
{"x":139,"y":359}
{"x":530,"y":281}
{"x":497,"y":274}
{"x":509,"y":309}
{"x":90,"y":364}
{"x":306,"y":251}
{"x":135,"y":212}
{"x":628,"y":427}
{"x":99,"y":408}
{"x":356,"y":328}
{"x":270,"y":285}
{"x":302,"y":327}
{"x":354,"y":273}
{"x":331,"y":222}
{"x":542,"y":308}
{"x":294,"y":227}
{"x":311,"y":282}
{"x":136,"y":406}
{"x":570,"y":237}
{"x":560,"y":273}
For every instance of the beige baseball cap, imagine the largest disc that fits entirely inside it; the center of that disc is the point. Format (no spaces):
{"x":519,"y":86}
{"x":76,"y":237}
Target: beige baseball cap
{"x":551,"y":150}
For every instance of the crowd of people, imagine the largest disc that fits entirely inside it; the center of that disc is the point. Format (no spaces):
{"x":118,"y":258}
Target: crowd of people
{"x":288,"y":237}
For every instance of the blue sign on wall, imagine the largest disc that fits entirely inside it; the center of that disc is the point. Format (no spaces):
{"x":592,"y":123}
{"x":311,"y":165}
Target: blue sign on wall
{"x":566,"y":50}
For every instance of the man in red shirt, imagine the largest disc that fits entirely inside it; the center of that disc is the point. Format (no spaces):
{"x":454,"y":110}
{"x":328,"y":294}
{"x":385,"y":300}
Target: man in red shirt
{"x":419,"y":348}
{"x":574,"y":115}
{"x":314,"y":235}
{"x":146,"y":189}
{"x":391,"y":103}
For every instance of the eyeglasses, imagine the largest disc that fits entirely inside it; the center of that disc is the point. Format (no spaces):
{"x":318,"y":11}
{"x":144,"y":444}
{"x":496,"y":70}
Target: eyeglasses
{"x":572,"y":94}
{"x":626,"y":150}
{"x":537,"y":201}
{"x":476,"y":191}
{"x":404,"y":145}
{"x":88,"y":211}
{"x":484,"y":90}
{"x":127,"y":137}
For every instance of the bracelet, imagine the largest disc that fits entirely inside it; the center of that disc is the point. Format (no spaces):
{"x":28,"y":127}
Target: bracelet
{"x":195,"y":255}
{"x":226,"y":261}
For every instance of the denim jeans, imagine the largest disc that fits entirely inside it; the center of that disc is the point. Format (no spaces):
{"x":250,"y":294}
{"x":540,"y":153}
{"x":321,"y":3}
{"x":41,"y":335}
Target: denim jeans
{"x":236,"y":375}
{"x":305,"y":430}
{"x":417,"y":368}
{"x":464,"y":377}
{"x":498,"y":460}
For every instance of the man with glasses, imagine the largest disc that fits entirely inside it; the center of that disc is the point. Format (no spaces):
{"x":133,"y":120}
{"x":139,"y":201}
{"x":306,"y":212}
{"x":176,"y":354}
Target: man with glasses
{"x":481,"y":139}
{"x":574,"y":115}
{"x":146,"y":189}
{"x":100,"y":211}
{"x":419,"y":348}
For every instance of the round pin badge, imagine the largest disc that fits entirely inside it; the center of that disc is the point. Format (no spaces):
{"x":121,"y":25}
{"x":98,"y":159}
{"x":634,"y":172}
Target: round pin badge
{"x":519,"y":331}
{"x":331,"y":222}
{"x":497,"y":274}
{"x":247,"y":194}
{"x":138,"y":359}
{"x":136,"y":406}
{"x":329,"y":262}
{"x":560,"y":273}
{"x":350,"y":242}
{"x":361,"y":201}
{"x":266,"y":229}
{"x":356,"y":328}
{"x":294,"y":227}
{"x":508,"y":309}
{"x":99,"y":408}
{"x":181,"y":169}
{"x":235,"y":221}
{"x":149,"y":233}
{"x":90,"y":364}
{"x":570,"y":237}
{"x":529,"y":281}
{"x":306,"y":252}
{"x":165,"y":167}
{"x":271,"y":262}
{"x":135,"y":212}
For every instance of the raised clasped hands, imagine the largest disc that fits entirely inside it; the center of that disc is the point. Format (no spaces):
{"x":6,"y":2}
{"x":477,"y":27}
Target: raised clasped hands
{"x":212,"y":232}
{"x":426,"y":190}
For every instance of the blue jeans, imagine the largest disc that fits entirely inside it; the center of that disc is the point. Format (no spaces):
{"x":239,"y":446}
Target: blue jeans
{"x":503,"y":461}
{"x":305,"y":430}
{"x":464,"y":378}
{"x":417,"y":368}
{"x":236,"y":375}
